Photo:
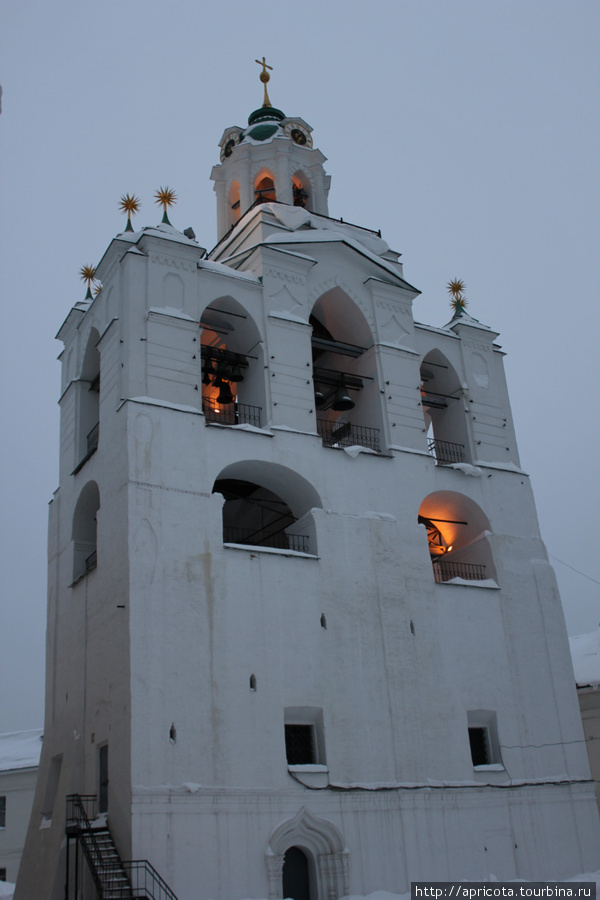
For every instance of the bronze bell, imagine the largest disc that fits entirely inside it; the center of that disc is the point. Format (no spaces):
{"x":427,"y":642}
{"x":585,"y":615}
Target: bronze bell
{"x":225,"y":395}
{"x":342,"y":402}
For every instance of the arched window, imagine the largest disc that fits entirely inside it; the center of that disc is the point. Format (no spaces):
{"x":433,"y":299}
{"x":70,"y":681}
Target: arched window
{"x":84,"y":531}
{"x":264,"y":189}
{"x":445,"y":419}
{"x":267,"y":505}
{"x":345,"y":379}
{"x":233,"y":389}
{"x":233,"y":203}
{"x":88,"y":407}
{"x":457,"y":536}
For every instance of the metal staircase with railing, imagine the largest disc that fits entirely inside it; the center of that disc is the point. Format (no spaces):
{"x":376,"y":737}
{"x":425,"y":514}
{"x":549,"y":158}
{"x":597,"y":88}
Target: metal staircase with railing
{"x":114,"y":878}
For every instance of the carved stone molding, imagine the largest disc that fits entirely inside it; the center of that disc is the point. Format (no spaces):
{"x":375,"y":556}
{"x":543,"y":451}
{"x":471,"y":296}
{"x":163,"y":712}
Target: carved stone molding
{"x":172,"y":263}
{"x":321,"y":839}
{"x":289,"y":277}
{"x":477,"y":345}
{"x":402,"y":308}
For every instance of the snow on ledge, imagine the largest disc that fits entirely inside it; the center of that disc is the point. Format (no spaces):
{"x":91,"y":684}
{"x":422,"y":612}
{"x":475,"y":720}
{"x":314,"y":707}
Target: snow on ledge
{"x":355,"y":449}
{"x":258,"y":548}
{"x":475,"y":471}
{"x":473,"y":582}
{"x":287,"y":316}
{"x":502,"y":467}
{"x":242,"y":426}
{"x":152,"y":401}
{"x":170,"y":311}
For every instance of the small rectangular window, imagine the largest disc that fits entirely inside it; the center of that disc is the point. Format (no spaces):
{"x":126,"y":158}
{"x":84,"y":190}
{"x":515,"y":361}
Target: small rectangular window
{"x":483,"y":737}
{"x":300,"y":745}
{"x":2,"y":812}
{"x":480,"y":746}
{"x":3,"y":875}
{"x":304,"y":736}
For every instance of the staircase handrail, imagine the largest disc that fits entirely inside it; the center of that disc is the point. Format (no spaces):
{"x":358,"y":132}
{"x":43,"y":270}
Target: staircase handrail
{"x":158,"y":889}
{"x":165,"y":891}
{"x":84,"y":824}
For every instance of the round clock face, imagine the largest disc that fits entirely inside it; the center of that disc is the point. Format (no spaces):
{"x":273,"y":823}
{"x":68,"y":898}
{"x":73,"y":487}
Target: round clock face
{"x":298,"y":134}
{"x":230,"y":142}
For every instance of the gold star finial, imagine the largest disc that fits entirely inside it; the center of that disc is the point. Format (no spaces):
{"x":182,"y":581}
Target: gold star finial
{"x":165,"y":196}
{"x":265,"y":78}
{"x":456,"y":287}
{"x":129,"y":204}
{"x":86,"y":273}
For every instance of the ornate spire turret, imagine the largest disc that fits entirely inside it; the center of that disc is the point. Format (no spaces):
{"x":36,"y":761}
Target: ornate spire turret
{"x":271,"y":159}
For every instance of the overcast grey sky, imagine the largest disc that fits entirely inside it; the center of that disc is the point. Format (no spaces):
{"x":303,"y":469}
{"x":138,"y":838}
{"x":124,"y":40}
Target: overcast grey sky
{"x":467,"y":130}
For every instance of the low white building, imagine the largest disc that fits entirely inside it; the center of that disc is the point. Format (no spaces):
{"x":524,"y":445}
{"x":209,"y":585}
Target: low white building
{"x":303,"y":636}
{"x":19,"y":761}
{"x":585,"y":651}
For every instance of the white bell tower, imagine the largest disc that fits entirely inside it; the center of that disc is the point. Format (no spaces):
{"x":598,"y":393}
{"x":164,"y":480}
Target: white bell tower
{"x":303,"y":637}
{"x":271,"y":159}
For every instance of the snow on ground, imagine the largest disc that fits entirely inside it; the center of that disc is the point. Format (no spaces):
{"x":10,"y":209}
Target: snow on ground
{"x":585,"y":652}
{"x":20,"y":750}
{"x":6,"y":890}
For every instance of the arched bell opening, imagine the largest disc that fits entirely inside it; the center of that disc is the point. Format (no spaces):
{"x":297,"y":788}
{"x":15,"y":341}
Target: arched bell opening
{"x":233,"y":203}
{"x":232,"y":373}
{"x":345,"y":380}
{"x":88,"y":405}
{"x":302,"y":191}
{"x":457,"y":536}
{"x":267,"y":505}
{"x":298,"y":876}
{"x":264,"y":188}
{"x":84,"y":533}
{"x":443,"y":410}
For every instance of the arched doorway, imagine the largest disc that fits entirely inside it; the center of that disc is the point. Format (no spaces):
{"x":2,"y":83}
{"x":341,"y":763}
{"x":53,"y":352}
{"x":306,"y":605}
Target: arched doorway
{"x":323,"y":856}
{"x":296,"y":875}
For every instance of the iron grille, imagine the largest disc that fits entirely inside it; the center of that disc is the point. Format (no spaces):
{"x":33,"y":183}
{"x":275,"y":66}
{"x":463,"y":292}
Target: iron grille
{"x":231,"y":414}
{"x":445,"y":570}
{"x":447,"y":452}
{"x":279,"y":541}
{"x":344,"y":434}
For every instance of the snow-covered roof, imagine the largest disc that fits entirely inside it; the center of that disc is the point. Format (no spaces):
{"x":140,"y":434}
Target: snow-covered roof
{"x":20,"y":750}
{"x":585,"y":653}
